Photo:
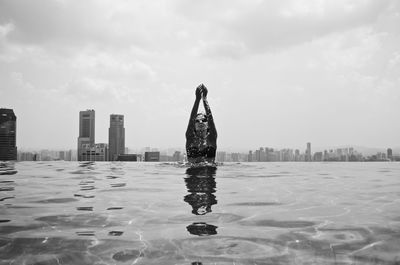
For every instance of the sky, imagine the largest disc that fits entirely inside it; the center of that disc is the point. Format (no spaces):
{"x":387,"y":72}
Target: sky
{"x":279,"y":73}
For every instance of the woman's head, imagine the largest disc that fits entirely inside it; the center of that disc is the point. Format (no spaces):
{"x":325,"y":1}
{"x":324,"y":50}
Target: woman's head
{"x":201,"y":124}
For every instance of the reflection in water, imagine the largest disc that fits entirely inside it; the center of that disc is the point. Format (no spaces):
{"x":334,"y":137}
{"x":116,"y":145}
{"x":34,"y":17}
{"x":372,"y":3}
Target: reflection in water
{"x":202,"y":229}
{"x":7,"y":168}
{"x":89,"y":208}
{"x":6,"y":198}
{"x":85,"y":233}
{"x":200,"y":182}
{"x":201,"y":185}
{"x":84,"y":196}
{"x":7,"y":187}
{"x":87,"y":164}
{"x":115,"y":233}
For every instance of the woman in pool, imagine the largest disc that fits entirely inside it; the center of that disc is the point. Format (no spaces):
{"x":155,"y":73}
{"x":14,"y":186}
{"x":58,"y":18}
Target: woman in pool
{"x":201,"y":135}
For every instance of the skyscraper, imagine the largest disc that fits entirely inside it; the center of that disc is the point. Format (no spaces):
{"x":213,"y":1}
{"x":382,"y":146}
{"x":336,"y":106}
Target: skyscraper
{"x":390,"y":153}
{"x":8,"y":135}
{"x":308,"y":152}
{"x":116,"y":136}
{"x":86,"y":130}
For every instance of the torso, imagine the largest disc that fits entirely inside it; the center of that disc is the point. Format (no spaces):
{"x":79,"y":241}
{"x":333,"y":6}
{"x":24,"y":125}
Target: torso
{"x":201,"y":151}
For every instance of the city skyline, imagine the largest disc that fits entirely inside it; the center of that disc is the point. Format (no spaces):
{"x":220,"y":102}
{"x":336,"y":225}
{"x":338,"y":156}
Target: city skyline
{"x":115,"y":150}
{"x":267,"y":154}
{"x":90,"y":130}
{"x":283,"y":73}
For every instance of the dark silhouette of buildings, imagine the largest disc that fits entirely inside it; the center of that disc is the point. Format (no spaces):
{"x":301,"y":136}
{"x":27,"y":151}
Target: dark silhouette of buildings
{"x":127,"y":157}
{"x":8,"y":135}
{"x":152,"y":156}
{"x":116,"y":137}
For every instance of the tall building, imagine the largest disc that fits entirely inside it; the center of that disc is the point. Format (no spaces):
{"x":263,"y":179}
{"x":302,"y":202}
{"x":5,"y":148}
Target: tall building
{"x":390,"y":153}
{"x":8,"y":135}
{"x":176,"y":156}
{"x":318,"y":156}
{"x":221,"y":156}
{"x":308,"y":152}
{"x":86,"y":131}
{"x":116,"y":136}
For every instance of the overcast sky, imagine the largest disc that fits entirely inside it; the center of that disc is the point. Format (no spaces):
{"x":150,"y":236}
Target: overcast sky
{"x":279,"y":73}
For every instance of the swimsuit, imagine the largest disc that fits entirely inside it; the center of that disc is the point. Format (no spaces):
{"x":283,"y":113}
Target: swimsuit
{"x":194,"y":152}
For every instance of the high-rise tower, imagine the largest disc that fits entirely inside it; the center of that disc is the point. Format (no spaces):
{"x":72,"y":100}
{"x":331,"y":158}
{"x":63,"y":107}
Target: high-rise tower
{"x":390,"y":153}
{"x":8,"y":135}
{"x":116,"y":136}
{"x":86,"y":130}
{"x":308,"y":152}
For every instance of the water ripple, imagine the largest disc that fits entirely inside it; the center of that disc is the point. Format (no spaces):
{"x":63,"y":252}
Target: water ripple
{"x":280,"y":224}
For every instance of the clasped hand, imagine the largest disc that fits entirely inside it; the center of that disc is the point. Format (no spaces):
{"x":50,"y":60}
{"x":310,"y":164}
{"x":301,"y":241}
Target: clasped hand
{"x":201,"y":91}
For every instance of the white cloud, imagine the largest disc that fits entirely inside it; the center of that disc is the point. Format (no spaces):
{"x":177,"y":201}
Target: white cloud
{"x":89,"y":89}
{"x":266,"y":26}
{"x":221,"y":49}
{"x":98,"y":62}
{"x":395,"y":60}
{"x":21,"y":83}
{"x":5,"y":54}
{"x":5,"y":30}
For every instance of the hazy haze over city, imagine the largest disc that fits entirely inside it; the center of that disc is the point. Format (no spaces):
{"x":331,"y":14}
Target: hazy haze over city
{"x":279,"y":73}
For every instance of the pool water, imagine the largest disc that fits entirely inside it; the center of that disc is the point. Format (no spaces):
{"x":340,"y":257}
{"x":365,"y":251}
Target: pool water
{"x":164,"y":213}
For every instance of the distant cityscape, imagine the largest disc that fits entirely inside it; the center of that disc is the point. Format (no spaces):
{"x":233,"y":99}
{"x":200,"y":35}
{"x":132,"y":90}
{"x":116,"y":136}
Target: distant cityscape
{"x":115,"y":149}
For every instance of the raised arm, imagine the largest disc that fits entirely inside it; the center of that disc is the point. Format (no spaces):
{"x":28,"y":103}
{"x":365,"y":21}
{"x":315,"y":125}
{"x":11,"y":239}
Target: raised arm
{"x":190,"y":128}
{"x":211,"y":124}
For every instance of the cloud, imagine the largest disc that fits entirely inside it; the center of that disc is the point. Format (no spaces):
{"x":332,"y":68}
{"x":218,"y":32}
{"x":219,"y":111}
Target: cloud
{"x":6,"y":29}
{"x":89,"y":89}
{"x":224,"y":49}
{"x":21,"y":83}
{"x":113,"y":64}
{"x":69,"y":24}
{"x":394,"y":62}
{"x":264,"y":26}
{"x":5,"y":54}
{"x":291,"y":23}
{"x":219,"y":29}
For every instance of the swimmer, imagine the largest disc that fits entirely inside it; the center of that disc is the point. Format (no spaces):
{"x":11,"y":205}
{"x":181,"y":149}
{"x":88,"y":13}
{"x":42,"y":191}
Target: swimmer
{"x":201,"y":135}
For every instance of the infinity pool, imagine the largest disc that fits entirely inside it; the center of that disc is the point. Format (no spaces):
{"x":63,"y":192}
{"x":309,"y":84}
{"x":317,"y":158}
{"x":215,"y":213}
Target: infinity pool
{"x":158,"y":213}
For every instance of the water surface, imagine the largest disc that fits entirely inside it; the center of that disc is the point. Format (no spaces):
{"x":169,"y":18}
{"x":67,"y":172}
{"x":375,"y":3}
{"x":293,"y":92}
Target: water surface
{"x":157,"y":213}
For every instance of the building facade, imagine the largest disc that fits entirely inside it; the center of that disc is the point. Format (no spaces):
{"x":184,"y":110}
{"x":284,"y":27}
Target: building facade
{"x":86,"y":131}
{"x":176,"y":156}
{"x":116,"y":137}
{"x":308,"y":152}
{"x":95,"y":152}
{"x":152,"y":156}
{"x":389,"y":152}
{"x":127,"y":157}
{"x":8,"y":135}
